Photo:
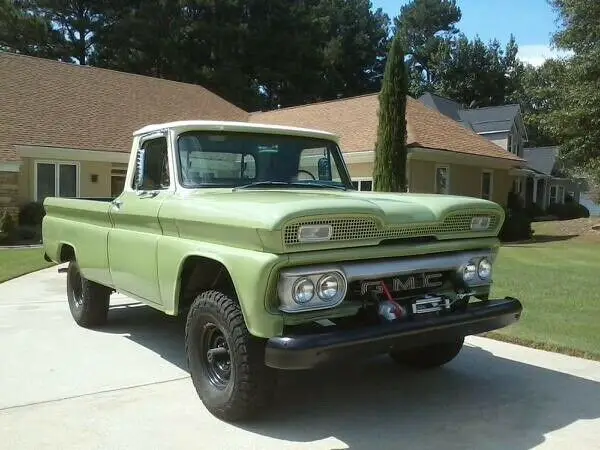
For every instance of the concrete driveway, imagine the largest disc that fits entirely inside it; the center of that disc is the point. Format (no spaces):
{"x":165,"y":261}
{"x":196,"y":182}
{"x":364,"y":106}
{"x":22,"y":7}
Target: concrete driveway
{"x":126,"y":387}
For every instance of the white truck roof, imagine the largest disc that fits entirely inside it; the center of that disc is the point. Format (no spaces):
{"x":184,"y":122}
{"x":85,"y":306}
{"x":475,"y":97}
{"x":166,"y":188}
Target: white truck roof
{"x":223,"y":125}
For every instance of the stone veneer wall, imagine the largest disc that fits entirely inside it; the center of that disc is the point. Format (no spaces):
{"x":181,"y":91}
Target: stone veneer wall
{"x":9,"y":192}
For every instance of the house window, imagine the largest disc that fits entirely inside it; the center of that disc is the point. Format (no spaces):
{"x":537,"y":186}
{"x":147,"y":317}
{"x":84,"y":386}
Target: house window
{"x":486,"y":185}
{"x":56,"y":179}
{"x":117,"y":181}
{"x":363,"y":184}
{"x":553,"y":191}
{"x":561,"y":194}
{"x":509,"y":143}
{"x":442,"y":180}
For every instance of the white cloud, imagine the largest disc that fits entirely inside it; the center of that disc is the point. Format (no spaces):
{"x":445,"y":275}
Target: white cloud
{"x":537,"y":54}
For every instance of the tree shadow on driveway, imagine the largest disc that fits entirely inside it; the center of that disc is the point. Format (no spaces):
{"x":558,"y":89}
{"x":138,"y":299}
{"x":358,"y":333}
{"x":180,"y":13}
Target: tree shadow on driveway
{"x":477,"y":401}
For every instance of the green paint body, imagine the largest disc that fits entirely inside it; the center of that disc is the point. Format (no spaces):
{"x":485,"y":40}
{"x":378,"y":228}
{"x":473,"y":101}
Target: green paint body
{"x":140,"y":248}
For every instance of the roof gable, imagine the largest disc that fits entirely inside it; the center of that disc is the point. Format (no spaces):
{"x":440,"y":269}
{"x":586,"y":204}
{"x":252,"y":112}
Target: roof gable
{"x":57,"y":104}
{"x":488,"y":119}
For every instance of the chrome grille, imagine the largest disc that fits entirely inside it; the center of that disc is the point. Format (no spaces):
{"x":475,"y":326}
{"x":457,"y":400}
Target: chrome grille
{"x":359,"y":228}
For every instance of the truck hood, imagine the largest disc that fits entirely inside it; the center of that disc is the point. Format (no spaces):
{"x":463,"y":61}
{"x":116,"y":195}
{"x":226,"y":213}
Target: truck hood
{"x":270,"y":209}
{"x":230,"y":215}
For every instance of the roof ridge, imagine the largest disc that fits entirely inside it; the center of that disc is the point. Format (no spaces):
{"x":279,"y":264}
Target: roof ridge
{"x":443,"y":97}
{"x":489,"y":107}
{"x":287,"y":108}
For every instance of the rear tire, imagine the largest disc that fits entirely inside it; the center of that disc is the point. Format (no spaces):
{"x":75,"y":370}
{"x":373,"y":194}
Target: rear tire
{"x":226,"y":362}
{"x":430,"y":356}
{"x":88,"y":301}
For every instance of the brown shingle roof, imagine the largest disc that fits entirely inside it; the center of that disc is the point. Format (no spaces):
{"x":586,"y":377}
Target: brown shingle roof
{"x":45,"y":102}
{"x":355,"y":121}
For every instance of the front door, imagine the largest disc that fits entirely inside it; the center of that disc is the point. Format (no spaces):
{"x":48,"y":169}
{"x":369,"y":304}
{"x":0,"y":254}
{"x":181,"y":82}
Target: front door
{"x":133,"y":240}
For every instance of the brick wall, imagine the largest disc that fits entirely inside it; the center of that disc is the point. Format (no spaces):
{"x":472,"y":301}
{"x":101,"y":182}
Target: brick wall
{"x":9,"y":192}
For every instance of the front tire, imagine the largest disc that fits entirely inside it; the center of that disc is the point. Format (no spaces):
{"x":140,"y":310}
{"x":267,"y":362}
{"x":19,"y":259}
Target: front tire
{"x":430,"y":356}
{"x":88,"y":301}
{"x":226,"y":362}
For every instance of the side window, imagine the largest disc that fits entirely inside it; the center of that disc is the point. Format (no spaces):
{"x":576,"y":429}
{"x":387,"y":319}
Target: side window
{"x":156,"y":166}
{"x":317,"y":164}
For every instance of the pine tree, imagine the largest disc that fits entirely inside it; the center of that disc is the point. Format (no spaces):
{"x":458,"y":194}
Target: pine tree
{"x":389,"y":174}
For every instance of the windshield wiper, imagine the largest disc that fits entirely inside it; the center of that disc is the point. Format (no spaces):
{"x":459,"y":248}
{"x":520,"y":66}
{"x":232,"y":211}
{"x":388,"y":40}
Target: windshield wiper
{"x":289,"y":183}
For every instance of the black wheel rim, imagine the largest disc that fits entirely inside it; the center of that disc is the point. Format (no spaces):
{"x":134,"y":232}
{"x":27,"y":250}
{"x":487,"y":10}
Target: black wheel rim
{"x":76,"y":288}
{"x":214,"y":353}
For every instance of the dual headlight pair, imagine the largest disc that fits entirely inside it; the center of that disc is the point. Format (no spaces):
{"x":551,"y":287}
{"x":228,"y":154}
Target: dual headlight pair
{"x":312,"y":291}
{"x":481,"y":270}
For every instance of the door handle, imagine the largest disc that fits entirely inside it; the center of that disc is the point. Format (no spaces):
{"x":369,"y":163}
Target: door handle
{"x":116,"y":203}
{"x":147,"y":194}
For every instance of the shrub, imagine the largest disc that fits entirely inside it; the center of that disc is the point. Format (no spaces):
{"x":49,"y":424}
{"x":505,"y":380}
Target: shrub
{"x":516,"y":227}
{"x":567,"y":211}
{"x":534,"y":210}
{"x":7,"y":226}
{"x":31,"y":214}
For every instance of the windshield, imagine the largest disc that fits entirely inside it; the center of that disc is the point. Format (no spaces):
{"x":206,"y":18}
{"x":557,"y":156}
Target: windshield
{"x":230,"y":159}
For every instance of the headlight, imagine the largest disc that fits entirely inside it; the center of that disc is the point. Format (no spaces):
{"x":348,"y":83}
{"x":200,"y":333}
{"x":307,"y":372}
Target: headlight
{"x":469,"y":272}
{"x":479,"y":223}
{"x":310,"y":289}
{"x":484,"y":269}
{"x":314,"y":233}
{"x":303,"y":291}
{"x":328,"y":286}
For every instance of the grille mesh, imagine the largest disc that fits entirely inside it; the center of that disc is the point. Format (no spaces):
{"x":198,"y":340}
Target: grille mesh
{"x":359,"y":228}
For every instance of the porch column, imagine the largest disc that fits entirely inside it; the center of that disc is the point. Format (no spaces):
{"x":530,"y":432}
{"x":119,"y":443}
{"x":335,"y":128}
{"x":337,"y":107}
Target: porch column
{"x":535,"y":183}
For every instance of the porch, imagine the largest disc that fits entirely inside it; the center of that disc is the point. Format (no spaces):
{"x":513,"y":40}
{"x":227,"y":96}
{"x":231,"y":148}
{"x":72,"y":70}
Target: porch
{"x":537,"y":190}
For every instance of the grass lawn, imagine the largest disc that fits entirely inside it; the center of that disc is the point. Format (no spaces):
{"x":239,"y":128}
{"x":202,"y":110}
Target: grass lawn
{"x":16,"y":262}
{"x":558,"y":281}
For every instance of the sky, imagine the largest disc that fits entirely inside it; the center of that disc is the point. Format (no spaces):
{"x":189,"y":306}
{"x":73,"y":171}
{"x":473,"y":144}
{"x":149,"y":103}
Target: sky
{"x":532,"y":22}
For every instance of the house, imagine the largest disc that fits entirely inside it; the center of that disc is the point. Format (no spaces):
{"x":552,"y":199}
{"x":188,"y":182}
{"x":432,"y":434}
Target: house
{"x":444,"y":157}
{"x":540,"y":182}
{"x":545,"y":183}
{"x":65,"y":130}
{"x":502,"y":125}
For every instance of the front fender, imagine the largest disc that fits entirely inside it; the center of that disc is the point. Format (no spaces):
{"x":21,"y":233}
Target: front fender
{"x":251,"y":271}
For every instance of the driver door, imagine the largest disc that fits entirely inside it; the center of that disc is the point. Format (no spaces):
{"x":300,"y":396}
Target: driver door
{"x":133,"y":240}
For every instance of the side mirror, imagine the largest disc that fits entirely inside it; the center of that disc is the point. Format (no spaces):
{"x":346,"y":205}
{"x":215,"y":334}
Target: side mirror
{"x":139,"y":168}
{"x":324,"y":168}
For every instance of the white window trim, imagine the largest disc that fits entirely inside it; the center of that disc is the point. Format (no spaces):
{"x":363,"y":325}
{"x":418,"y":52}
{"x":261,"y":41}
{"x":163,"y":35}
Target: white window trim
{"x":56,"y":176}
{"x":491,"y":172}
{"x":360,"y":179}
{"x":435,"y":187}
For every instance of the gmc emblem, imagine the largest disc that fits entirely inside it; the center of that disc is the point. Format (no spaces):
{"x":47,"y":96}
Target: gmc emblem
{"x":407,"y":283}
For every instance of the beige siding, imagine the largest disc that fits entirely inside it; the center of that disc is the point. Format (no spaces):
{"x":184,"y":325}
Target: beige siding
{"x":502,"y":185}
{"x":360,"y":170}
{"x":421,"y":176}
{"x":8,"y":192}
{"x":464,"y":180}
{"x":26,"y":181}
{"x":100,"y":188}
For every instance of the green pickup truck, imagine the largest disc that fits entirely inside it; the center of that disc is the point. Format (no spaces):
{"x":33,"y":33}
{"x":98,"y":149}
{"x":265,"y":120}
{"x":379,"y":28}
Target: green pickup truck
{"x":257,"y":235}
